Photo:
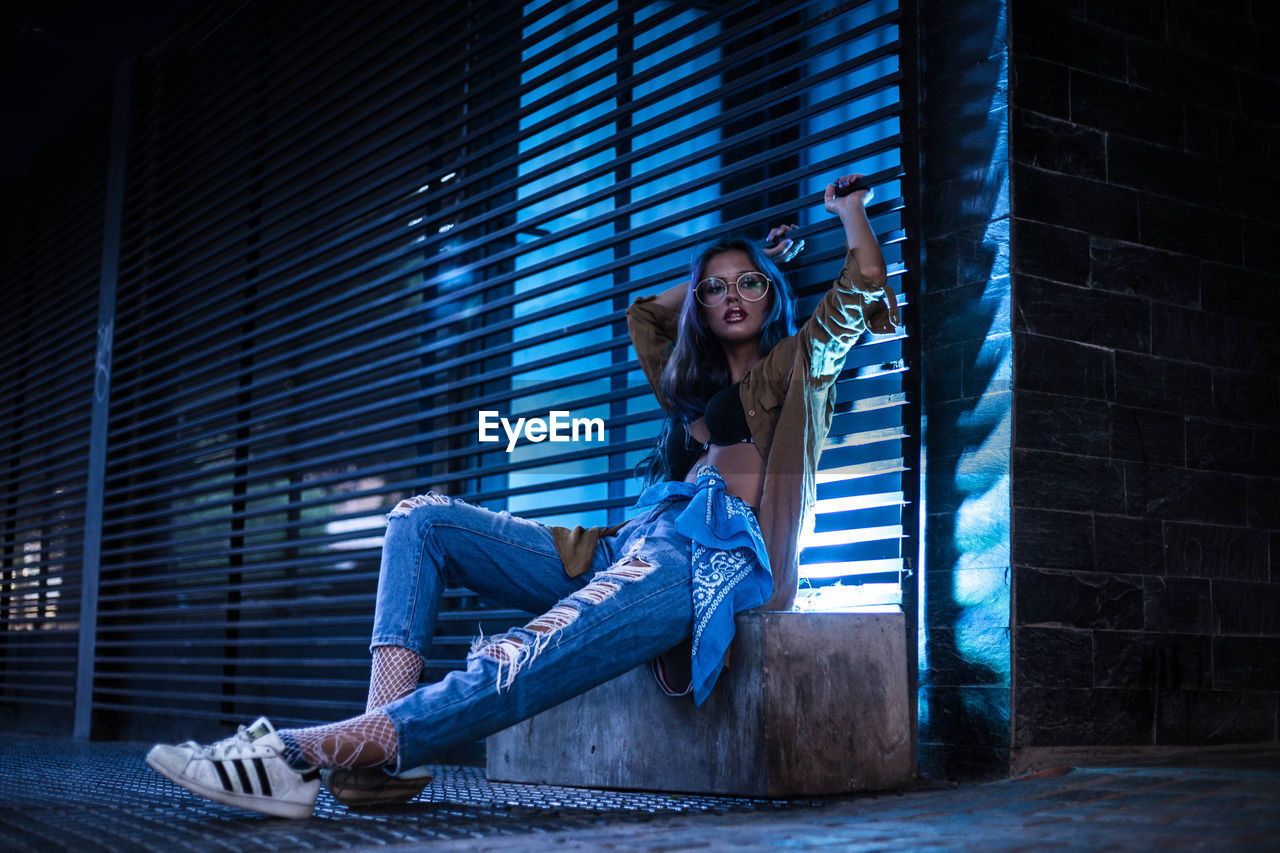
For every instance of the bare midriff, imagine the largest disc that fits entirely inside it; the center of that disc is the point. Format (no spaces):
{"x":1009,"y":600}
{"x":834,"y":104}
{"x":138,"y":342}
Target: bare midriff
{"x":740,"y":464}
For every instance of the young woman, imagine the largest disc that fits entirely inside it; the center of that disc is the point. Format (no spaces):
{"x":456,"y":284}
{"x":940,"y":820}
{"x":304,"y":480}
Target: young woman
{"x":749,"y":402}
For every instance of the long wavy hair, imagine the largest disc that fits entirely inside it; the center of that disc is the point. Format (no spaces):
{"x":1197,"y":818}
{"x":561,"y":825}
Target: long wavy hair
{"x":697,"y":367}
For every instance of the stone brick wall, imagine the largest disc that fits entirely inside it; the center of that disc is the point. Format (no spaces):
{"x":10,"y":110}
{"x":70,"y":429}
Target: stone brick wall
{"x":967,"y":352}
{"x":1145,"y":152}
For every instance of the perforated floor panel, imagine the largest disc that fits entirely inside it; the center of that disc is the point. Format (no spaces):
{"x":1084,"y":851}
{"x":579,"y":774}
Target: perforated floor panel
{"x":58,"y":795}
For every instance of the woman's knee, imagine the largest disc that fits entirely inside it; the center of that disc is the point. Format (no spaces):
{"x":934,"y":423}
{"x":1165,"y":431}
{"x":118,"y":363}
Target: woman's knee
{"x":423,"y":514}
{"x":431,"y":501}
{"x":414,"y":553}
{"x":414,"y":526}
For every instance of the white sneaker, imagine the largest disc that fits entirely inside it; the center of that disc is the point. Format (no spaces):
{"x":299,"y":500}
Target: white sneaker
{"x":247,"y":770}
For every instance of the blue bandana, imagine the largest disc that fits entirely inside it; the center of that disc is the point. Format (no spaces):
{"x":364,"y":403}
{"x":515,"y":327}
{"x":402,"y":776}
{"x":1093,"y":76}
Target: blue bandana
{"x":730,"y":566}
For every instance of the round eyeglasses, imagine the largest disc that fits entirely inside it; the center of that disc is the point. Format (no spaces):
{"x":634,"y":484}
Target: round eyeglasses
{"x":752,"y":287}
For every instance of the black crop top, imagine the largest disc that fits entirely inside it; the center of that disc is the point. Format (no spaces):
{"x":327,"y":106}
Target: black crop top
{"x":726,"y":423}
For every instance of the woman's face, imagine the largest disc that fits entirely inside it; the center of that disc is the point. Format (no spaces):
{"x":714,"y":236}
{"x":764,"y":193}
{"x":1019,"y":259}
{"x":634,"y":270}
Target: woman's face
{"x":735,"y":320}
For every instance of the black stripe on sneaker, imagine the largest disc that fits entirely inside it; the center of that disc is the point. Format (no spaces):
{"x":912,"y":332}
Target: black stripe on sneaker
{"x":222,"y":776}
{"x":245,"y":785}
{"x":264,"y":784}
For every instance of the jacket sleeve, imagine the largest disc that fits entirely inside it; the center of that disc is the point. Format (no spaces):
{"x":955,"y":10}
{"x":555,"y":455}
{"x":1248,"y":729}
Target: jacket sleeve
{"x":653,"y":334}
{"x":854,"y":304}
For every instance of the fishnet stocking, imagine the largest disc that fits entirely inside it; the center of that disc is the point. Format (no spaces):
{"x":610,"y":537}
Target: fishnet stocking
{"x":394,"y":673}
{"x":365,"y":741}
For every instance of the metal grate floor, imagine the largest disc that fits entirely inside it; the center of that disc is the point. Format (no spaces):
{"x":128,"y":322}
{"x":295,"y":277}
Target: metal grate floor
{"x":56,"y":795}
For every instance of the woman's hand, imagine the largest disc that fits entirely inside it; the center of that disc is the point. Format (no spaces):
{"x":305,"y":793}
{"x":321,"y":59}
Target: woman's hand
{"x":857,"y":228}
{"x":842,"y":206}
{"x":780,"y":247}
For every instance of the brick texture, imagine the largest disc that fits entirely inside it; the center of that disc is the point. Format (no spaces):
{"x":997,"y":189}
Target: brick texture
{"x":967,"y":343}
{"x":1146,"y":281}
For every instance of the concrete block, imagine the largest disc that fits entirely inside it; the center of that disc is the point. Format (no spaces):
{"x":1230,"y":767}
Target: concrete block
{"x":811,"y":704}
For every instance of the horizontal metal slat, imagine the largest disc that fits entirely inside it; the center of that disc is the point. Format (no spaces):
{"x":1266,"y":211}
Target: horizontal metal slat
{"x":297,"y":152}
{"x":372,"y":71}
{"x":631,"y":234}
{"x":854,"y":502}
{"x":424,"y":306}
{"x":480,"y":132}
{"x":634,"y":130}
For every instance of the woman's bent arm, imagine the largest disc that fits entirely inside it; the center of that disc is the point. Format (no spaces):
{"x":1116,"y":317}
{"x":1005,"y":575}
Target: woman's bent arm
{"x":653,"y":333}
{"x":673,"y":297}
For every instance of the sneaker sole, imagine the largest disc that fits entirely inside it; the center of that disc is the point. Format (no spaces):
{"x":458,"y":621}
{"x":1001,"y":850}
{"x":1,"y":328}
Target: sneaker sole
{"x":393,"y":792}
{"x":252,"y":802}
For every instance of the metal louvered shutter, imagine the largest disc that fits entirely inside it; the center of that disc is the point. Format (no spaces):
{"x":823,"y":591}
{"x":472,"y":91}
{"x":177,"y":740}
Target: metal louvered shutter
{"x":52,"y":243}
{"x":350,"y":230}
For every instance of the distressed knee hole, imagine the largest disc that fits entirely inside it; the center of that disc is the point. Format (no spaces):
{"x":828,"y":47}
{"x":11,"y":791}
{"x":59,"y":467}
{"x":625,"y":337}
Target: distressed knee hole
{"x":408,"y":505}
{"x":506,"y":516}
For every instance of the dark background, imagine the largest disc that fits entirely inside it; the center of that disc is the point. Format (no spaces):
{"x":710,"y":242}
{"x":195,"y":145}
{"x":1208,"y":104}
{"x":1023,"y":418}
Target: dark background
{"x":61,"y":55}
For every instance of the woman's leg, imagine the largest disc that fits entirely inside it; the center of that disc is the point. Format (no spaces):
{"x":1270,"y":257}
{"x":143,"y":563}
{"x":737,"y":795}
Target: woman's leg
{"x":613,"y":619}
{"x":621,"y":616}
{"x":432,"y":542}
{"x":625,"y":614}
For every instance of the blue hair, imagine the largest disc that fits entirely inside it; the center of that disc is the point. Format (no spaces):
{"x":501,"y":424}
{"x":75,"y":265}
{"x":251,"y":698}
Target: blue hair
{"x":697,"y":367}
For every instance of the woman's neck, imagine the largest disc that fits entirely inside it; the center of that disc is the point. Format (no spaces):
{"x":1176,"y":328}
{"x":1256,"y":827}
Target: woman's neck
{"x":741,"y":357}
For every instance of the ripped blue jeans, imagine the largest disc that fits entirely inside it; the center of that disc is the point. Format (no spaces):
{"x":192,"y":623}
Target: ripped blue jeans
{"x":634,"y":603}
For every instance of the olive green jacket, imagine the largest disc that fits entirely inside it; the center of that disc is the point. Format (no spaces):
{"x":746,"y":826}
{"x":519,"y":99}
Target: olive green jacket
{"x":789,"y":402}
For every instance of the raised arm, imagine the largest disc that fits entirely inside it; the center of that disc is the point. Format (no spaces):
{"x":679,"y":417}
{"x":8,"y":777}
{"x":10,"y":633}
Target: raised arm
{"x":858,"y":236}
{"x":860,"y":298}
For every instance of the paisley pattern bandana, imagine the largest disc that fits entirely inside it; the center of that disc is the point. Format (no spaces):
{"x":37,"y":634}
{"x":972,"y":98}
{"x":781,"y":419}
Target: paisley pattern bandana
{"x":730,"y":566}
